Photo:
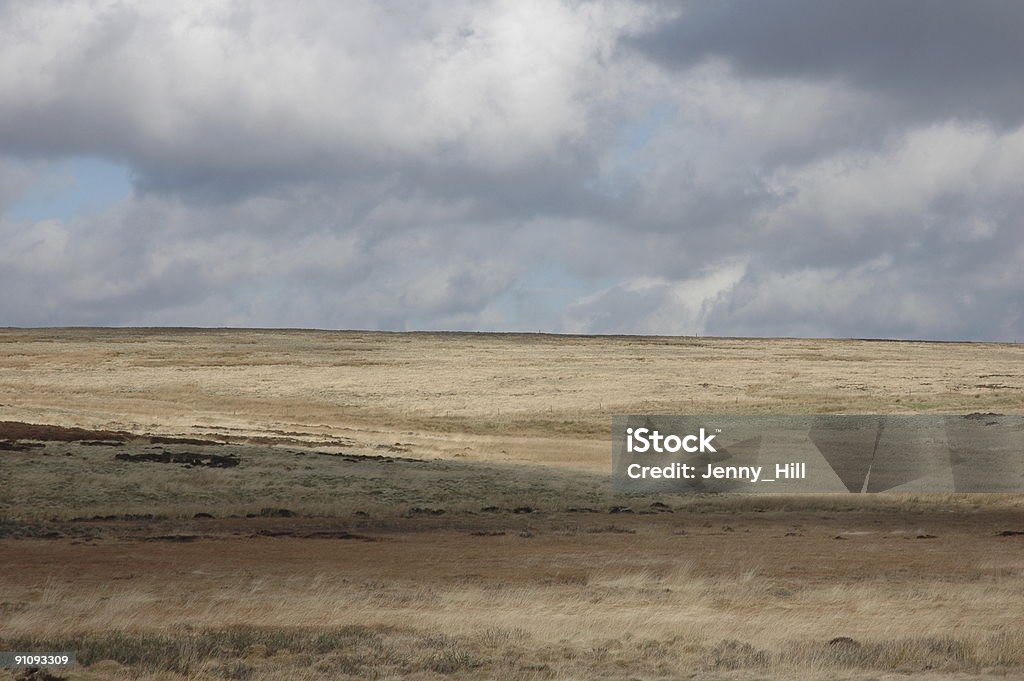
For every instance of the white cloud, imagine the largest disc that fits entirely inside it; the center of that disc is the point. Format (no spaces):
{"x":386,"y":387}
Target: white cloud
{"x":655,"y":305}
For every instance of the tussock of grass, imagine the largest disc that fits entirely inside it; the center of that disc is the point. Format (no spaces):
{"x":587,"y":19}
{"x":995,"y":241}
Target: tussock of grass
{"x":946,"y":653}
{"x":182,"y":652}
{"x":364,"y":652}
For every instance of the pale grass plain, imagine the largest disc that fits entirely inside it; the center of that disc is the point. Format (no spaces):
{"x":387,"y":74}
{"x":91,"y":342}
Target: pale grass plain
{"x":723,"y":588}
{"x":520,"y":398}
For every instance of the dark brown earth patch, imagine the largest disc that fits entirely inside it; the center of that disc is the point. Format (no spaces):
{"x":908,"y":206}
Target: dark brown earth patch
{"x":183,"y":458}
{"x":275,"y":513}
{"x":15,"y":446}
{"x":358,"y":458}
{"x":18,"y":430}
{"x":417,"y":510}
{"x":129,"y":517}
{"x":336,"y":534}
{"x":159,"y":440}
{"x":315,"y":534}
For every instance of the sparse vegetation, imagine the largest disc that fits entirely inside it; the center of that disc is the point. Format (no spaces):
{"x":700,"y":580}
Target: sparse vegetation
{"x":485,"y":397}
{"x":285,"y":505}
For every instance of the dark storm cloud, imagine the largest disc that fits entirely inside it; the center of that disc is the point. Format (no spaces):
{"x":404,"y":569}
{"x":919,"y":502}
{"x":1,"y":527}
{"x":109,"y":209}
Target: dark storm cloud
{"x":934,"y":59}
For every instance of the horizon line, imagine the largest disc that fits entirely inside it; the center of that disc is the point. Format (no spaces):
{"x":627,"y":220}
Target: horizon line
{"x":866,"y":339}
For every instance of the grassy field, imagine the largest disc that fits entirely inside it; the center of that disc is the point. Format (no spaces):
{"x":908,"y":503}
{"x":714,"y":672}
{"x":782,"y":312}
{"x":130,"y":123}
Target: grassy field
{"x":488,"y":397}
{"x":312,"y":505}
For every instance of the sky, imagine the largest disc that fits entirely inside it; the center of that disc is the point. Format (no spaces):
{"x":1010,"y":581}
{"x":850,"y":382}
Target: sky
{"x":814,"y":168}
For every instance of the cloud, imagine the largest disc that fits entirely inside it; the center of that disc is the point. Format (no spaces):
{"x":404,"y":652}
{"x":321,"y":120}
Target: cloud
{"x":605,"y":166}
{"x":934,"y":60}
{"x":244,"y":95}
{"x":655,"y":305}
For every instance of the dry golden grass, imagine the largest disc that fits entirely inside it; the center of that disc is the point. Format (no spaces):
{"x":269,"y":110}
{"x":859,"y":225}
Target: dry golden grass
{"x":420,"y":569}
{"x":480,"y":396}
{"x":596,"y":605}
{"x":651,"y":620}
